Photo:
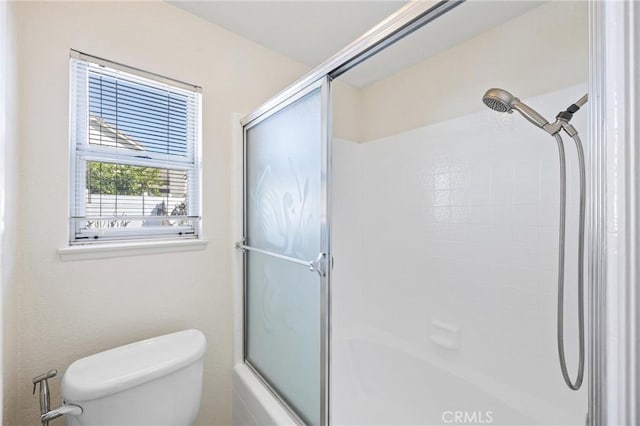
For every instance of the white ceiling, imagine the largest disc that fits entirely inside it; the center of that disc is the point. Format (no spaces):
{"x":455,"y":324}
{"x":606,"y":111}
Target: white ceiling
{"x":465,"y":21}
{"x":312,"y":31}
{"x":307,"y":31}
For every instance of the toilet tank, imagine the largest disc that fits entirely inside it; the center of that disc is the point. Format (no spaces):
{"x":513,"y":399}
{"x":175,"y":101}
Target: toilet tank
{"x":156,"y":381}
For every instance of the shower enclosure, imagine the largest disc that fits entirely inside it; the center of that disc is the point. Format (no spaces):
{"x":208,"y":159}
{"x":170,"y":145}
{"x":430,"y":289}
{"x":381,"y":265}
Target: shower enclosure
{"x":400,"y":240}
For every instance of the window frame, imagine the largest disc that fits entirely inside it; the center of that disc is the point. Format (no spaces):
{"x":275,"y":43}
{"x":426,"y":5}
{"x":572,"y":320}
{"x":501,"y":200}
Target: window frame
{"x":81,"y":152}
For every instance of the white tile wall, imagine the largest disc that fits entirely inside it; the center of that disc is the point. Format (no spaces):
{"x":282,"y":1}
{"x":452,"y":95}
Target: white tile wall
{"x":454,"y":224}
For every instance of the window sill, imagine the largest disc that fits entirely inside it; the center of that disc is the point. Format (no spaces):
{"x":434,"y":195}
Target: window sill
{"x":107,"y":251}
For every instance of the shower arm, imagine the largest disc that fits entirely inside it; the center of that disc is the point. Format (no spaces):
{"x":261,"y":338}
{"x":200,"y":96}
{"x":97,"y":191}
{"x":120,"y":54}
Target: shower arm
{"x":564,"y":117}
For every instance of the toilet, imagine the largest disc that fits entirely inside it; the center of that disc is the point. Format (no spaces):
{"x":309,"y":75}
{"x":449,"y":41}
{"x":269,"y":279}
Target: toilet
{"x":156,"y":381}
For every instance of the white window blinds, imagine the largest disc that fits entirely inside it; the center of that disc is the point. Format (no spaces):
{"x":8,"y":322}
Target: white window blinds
{"x":135,"y":141}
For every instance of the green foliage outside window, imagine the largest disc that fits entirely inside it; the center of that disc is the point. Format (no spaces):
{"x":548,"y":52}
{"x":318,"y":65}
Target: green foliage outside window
{"x":121,"y":179}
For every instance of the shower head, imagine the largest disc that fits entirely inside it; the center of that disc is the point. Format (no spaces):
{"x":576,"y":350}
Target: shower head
{"x":498,"y":100}
{"x":502,"y":101}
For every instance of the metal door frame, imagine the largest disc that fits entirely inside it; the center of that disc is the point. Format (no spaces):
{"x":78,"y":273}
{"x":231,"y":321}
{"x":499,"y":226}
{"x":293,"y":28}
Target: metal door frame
{"x":415,"y":15}
{"x":321,"y":263}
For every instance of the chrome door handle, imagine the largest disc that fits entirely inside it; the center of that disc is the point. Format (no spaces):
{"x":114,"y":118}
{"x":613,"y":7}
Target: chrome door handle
{"x":318,"y":265}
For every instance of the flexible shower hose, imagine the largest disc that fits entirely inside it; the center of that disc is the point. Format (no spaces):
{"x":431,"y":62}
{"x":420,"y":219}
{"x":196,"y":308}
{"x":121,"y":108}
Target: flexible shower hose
{"x":561,"y":244}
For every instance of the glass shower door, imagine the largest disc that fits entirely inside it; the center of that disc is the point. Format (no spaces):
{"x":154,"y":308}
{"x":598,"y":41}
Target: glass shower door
{"x":286,"y":247}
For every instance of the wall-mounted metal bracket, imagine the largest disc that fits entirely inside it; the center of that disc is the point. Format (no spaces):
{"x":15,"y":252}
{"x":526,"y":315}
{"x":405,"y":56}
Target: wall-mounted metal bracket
{"x":319,"y":265}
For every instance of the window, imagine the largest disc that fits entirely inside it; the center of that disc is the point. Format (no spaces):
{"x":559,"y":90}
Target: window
{"x":135,"y":140}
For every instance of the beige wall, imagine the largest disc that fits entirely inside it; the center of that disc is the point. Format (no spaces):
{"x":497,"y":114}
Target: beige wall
{"x":71,"y":309}
{"x":438,"y":88}
{"x":347,"y":111}
{"x":8,"y":209}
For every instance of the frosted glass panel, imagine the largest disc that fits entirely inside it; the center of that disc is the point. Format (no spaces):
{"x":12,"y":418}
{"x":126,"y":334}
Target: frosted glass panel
{"x":283,"y":178}
{"x":284,"y":330}
{"x":284,"y":213}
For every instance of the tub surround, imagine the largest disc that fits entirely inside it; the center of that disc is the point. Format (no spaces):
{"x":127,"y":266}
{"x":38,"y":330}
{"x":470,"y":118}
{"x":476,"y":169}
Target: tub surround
{"x":454,"y":227}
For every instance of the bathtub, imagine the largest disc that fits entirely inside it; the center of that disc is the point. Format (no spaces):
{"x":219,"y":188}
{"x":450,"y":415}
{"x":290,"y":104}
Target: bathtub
{"x":379,"y":379}
{"x":253,"y":403}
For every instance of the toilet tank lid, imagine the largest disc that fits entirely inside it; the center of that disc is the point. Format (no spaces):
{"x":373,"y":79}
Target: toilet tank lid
{"x":131,"y":365}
